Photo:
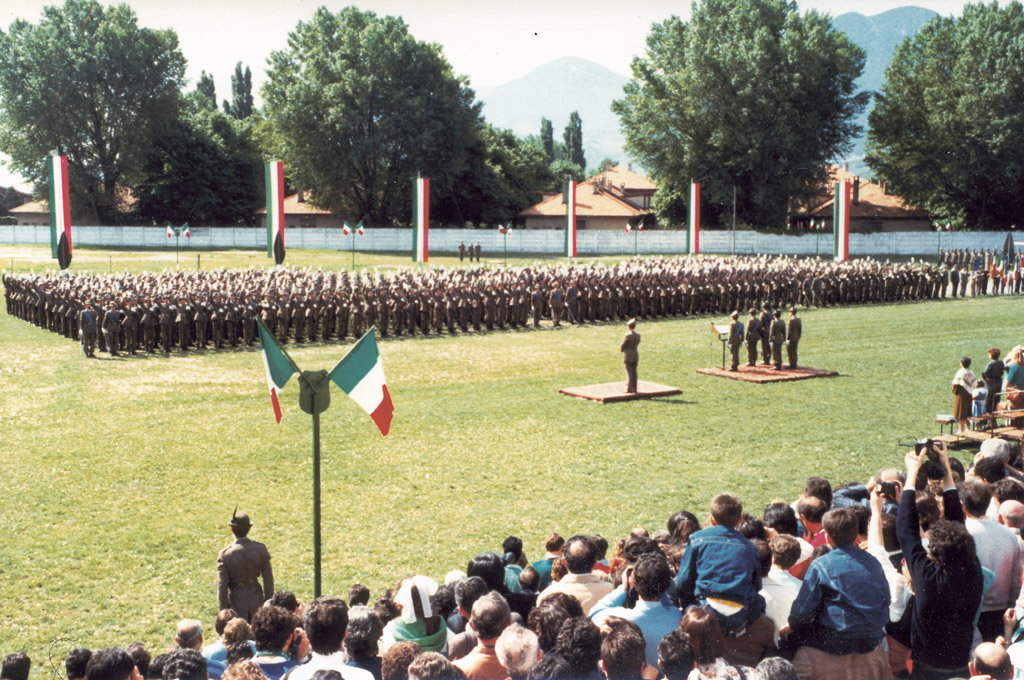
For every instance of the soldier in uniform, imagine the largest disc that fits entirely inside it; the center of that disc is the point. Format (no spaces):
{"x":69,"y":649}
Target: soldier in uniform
{"x":777,"y":332}
{"x":630,"y":355}
{"x":111,"y":327}
{"x":735,"y":340}
{"x":462,"y":251}
{"x":88,"y":328}
{"x":766,"y":321}
{"x":556,"y":301}
{"x":753,"y":337}
{"x":239,"y":566}
{"x":793,"y":332}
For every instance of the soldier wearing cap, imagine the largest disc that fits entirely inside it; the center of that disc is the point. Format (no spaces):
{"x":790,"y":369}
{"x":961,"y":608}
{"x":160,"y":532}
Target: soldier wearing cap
{"x":240,"y":565}
{"x":630,"y":355}
{"x":735,"y":339}
{"x":793,"y":332}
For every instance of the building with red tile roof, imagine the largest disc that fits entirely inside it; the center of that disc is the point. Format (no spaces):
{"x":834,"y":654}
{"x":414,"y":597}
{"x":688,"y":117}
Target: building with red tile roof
{"x":298,"y":212}
{"x":872,"y":207}
{"x":605,"y":201}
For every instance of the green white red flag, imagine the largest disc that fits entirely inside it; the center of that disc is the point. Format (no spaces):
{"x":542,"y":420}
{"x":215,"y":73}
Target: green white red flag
{"x":693,"y":226}
{"x":170,"y":232}
{"x":421,"y":221}
{"x":360,"y":375}
{"x":570,"y":217}
{"x":279,"y":367}
{"x":274,"y":173}
{"x":60,"y":210}
{"x":841,"y":221}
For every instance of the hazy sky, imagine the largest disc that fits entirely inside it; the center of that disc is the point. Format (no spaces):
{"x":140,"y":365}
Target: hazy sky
{"x":490,"y":41}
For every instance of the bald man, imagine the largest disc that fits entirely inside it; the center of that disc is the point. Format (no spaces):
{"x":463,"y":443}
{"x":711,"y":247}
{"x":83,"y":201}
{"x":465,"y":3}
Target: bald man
{"x":990,"y":660}
{"x":1011,"y":516}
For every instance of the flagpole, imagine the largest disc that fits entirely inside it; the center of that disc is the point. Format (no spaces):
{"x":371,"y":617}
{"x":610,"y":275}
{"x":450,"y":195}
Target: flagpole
{"x":316,"y":499}
{"x":636,"y":241}
{"x":353,"y":235}
{"x":177,"y":260}
{"x":506,"y":248}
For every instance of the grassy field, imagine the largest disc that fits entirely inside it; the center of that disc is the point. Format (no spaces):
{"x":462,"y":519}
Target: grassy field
{"x":118,"y":476}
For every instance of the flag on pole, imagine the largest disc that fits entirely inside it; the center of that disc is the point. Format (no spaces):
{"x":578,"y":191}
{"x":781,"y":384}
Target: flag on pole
{"x":501,"y":228}
{"x":188,"y":234}
{"x":693,"y":227}
{"x":1009,"y":252}
{"x":359,"y":229}
{"x":640,"y":226}
{"x":841,"y":222}
{"x":421,"y":221}
{"x":346,"y":229}
{"x":360,"y":375}
{"x":60,"y":210}
{"x":170,"y":232}
{"x":628,"y":228}
{"x":274,"y":172}
{"x":279,"y":367}
{"x":570,"y":217}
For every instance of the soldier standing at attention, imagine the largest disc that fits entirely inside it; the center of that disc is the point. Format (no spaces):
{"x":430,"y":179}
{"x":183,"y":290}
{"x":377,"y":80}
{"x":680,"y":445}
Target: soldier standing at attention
{"x":753,"y":336}
{"x":793,"y":336}
{"x":88,"y":329}
{"x":462,"y":250}
{"x":777,"y":332}
{"x":630,"y":356}
{"x":735,"y":340}
{"x":239,"y":565}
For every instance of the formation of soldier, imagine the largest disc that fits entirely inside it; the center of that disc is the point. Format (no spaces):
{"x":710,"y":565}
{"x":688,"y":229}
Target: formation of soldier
{"x":980,"y":272}
{"x":183,"y":310}
{"x":471,"y":250}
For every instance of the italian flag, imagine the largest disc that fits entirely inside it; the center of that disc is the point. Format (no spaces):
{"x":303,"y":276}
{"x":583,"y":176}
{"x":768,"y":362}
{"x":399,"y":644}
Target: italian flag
{"x":360,"y":375}
{"x":274,"y":172}
{"x":628,"y":228}
{"x":421,"y":221}
{"x":693,"y":227}
{"x":841,"y":222}
{"x":188,"y":234}
{"x":279,"y":367}
{"x":60,"y":210}
{"x":170,"y":232}
{"x":570,"y":217}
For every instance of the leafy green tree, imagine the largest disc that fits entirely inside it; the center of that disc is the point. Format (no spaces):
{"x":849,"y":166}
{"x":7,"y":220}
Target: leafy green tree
{"x":747,"y":94}
{"x":358,"y":107}
{"x":240,"y":106}
{"x":562,"y":168}
{"x":547,"y":138}
{"x":207,"y":88}
{"x":88,"y":82}
{"x":947,"y":131}
{"x":573,"y":138}
{"x":600,"y":167}
{"x":204,"y":169}
{"x":503,"y":177}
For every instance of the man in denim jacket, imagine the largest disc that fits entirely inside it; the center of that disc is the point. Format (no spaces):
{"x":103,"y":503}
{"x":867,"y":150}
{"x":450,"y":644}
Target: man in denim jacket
{"x":720,"y":570}
{"x":839,"y":616}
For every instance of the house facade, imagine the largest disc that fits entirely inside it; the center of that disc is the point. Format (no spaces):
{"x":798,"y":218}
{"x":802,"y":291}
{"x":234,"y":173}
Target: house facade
{"x":607,"y":201}
{"x":872,"y":207}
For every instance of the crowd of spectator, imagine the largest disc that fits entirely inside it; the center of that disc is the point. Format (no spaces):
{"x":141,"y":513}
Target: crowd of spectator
{"x":914,"y":573}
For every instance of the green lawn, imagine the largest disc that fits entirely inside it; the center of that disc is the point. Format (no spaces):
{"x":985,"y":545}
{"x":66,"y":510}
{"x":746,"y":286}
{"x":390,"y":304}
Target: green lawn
{"x":119,"y":476}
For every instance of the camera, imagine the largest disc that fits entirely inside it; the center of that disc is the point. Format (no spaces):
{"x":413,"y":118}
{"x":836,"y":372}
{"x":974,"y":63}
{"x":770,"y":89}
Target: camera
{"x":888,"y":489}
{"x":928,"y":446}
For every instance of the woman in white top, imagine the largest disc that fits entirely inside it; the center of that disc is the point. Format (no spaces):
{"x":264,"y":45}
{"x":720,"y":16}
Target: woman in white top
{"x":963,"y":383}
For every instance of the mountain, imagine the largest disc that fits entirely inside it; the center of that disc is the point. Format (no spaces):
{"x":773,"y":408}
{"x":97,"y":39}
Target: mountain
{"x":878,"y":35}
{"x":553,"y":91}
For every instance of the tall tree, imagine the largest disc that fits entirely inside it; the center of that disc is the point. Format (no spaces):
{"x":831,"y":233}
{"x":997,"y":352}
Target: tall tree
{"x":547,"y":138}
{"x":947,"y":132}
{"x":747,"y":94}
{"x":573,"y":137}
{"x":205,"y":169}
{"x":240,"y":106}
{"x":88,"y":82}
{"x":207,"y":88}
{"x":358,"y":107}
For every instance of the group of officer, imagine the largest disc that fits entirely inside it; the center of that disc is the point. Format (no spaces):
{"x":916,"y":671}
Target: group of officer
{"x":213,"y":309}
{"x":981,"y":272}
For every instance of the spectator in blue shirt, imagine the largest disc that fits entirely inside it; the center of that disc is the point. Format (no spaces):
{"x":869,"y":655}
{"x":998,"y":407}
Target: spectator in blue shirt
{"x":720,"y":570}
{"x":839,"y":616}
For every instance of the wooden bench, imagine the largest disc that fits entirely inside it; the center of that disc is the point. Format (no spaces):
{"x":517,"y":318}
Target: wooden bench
{"x":986,"y":421}
{"x":943,"y":421}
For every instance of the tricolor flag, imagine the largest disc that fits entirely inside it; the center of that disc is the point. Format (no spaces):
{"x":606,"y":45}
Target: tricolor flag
{"x":279,"y":367}
{"x":360,"y":375}
{"x":841,"y":221}
{"x":693,"y":227}
{"x":628,"y":228}
{"x":188,"y":234}
{"x":274,"y":171}
{"x":60,"y":210}
{"x":501,"y":228}
{"x":170,"y":232}
{"x":421,"y":221}
{"x":359,"y":229}
{"x":640,"y":226}
{"x":346,"y":229}
{"x":570,"y":217}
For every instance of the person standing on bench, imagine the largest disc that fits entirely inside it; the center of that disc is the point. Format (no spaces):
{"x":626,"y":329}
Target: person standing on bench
{"x":630,"y":356}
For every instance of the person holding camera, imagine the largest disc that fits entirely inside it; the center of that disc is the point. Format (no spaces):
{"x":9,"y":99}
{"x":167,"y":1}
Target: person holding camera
{"x":946,"y":578}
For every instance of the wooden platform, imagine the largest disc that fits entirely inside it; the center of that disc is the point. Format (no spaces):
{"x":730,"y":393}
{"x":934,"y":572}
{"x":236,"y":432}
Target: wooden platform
{"x":616,"y":391}
{"x":764,"y":373}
